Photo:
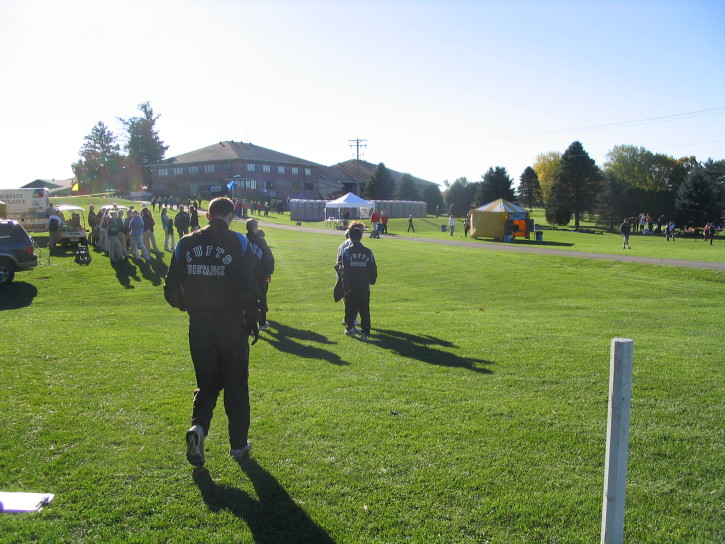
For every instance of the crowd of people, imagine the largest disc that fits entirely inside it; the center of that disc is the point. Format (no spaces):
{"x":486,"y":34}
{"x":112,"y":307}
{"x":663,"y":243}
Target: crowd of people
{"x":645,"y":225}
{"x":243,"y":208}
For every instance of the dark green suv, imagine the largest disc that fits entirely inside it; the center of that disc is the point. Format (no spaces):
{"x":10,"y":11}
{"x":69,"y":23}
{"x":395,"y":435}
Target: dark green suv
{"x":17,"y":251}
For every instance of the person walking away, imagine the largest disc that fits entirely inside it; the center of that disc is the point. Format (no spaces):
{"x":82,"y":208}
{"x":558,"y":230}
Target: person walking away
{"x":451,"y":224}
{"x":624,"y":230}
{"x":264,"y":268}
{"x":410,"y":224}
{"x":136,"y":227}
{"x":359,"y":272}
{"x":181,"y":222}
{"x":193,"y":218}
{"x":55,"y":225}
{"x":710,"y":232}
{"x":384,"y":221}
{"x":670,"y":231}
{"x":217,"y":289}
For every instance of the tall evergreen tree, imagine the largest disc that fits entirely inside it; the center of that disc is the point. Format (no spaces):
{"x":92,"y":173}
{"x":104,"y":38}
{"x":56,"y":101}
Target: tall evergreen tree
{"x":433,"y":198}
{"x":697,"y":201}
{"x":458,"y":197}
{"x":529,"y":190}
{"x":496,"y":184}
{"x":143,"y":145}
{"x":406,"y":189}
{"x":577,"y":184}
{"x":380,"y":186}
{"x":100,"y":166}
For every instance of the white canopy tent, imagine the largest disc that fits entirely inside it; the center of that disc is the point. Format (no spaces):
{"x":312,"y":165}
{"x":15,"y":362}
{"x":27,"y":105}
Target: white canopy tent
{"x":351,"y":201}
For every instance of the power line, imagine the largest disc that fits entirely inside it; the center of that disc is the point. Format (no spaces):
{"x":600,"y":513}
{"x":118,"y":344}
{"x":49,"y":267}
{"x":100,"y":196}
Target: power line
{"x":648,"y":120}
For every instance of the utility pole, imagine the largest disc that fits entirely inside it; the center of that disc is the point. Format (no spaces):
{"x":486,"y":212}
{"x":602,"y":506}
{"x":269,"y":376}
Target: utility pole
{"x":357,"y":144}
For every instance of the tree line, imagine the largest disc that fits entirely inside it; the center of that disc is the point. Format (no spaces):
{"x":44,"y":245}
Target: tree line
{"x":632,"y":180}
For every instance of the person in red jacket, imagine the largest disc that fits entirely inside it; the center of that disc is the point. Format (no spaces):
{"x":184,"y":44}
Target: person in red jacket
{"x":384,"y":221}
{"x":374,"y":220}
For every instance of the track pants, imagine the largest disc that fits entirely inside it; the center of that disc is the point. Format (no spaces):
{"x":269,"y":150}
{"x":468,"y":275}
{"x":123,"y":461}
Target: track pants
{"x":220,"y":352}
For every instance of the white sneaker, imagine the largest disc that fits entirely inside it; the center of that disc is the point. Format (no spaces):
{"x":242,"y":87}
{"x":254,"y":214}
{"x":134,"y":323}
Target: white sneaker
{"x":195,"y":446}
{"x":351,"y":332}
{"x":238,"y":454}
{"x":265,"y":326}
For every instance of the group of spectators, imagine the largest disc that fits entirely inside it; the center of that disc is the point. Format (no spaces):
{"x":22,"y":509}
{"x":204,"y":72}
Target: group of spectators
{"x":170,"y":201}
{"x":123,"y":232}
{"x":669,"y":228}
{"x":243,"y":208}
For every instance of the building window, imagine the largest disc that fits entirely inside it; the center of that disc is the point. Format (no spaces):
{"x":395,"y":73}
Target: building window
{"x":266,"y":168}
{"x":163,"y":171}
{"x":249,"y":183}
{"x":308,"y":171}
{"x":280,"y":169}
{"x":308,"y":187}
{"x":295,"y":170}
{"x":178,"y":170}
{"x":193,"y":169}
{"x":226,"y":166}
{"x":269,"y":185}
{"x":250,"y":167}
{"x":209,"y":168}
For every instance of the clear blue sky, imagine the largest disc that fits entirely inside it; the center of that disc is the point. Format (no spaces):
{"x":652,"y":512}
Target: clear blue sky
{"x":440,"y":89}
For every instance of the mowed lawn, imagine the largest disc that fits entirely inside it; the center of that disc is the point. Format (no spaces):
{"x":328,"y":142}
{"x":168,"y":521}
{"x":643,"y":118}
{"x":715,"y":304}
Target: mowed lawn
{"x":477,"y":413}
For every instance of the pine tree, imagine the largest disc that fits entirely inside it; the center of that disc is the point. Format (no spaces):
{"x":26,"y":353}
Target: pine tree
{"x":697,"y":201}
{"x":406,"y":189}
{"x":496,"y":184}
{"x":577,"y":184}
{"x":380,"y":186}
{"x":529,"y":191}
{"x":100,"y":166}
{"x":433,"y":198}
{"x":143,"y":145}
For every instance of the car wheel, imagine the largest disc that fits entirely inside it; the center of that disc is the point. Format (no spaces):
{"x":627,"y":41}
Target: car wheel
{"x":7,"y":272}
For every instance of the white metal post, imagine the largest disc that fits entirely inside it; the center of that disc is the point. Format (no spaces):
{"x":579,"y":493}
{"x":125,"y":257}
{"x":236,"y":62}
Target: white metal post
{"x":615,"y":469}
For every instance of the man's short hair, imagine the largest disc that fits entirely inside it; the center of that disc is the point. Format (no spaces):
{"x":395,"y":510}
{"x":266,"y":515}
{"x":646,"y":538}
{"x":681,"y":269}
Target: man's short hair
{"x":252,"y":225}
{"x":355,"y":235}
{"x":221,"y":207}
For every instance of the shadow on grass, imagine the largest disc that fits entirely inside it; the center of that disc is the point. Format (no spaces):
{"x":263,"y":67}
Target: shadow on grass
{"x":425,"y":348}
{"x":274,"y":518}
{"x":127,"y":270}
{"x":17,"y":295}
{"x":289,"y":340}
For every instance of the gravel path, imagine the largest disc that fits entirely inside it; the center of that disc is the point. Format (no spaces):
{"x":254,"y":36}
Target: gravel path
{"x":625,"y":257}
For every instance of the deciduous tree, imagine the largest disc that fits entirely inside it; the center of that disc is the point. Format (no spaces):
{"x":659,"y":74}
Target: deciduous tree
{"x":546,"y":167}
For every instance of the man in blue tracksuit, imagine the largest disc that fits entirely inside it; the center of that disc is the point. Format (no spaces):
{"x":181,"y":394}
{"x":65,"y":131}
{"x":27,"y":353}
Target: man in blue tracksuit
{"x":359,"y":272}
{"x":212,"y":277}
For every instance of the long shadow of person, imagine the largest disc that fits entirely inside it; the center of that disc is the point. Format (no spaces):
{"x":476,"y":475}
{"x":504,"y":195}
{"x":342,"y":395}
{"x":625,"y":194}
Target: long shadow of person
{"x":125,"y":272}
{"x":153,"y":270}
{"x":289,"y":340}
{"x":17,"y":295}
{"x":422,"y":348}
{"x":274,"y":518}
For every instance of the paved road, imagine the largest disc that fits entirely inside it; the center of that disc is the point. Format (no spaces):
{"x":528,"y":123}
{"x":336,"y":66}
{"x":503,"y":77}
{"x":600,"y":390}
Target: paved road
{"x":628,"y":257}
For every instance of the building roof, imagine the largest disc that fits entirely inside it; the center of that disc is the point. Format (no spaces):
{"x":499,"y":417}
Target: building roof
{"x":42,"y":184}
{"x":231,"y":150}
{"x":362,"y":170}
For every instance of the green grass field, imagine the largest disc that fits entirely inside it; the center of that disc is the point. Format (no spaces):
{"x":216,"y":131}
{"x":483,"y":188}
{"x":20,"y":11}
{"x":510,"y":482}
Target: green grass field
{"x":477,"y":413}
